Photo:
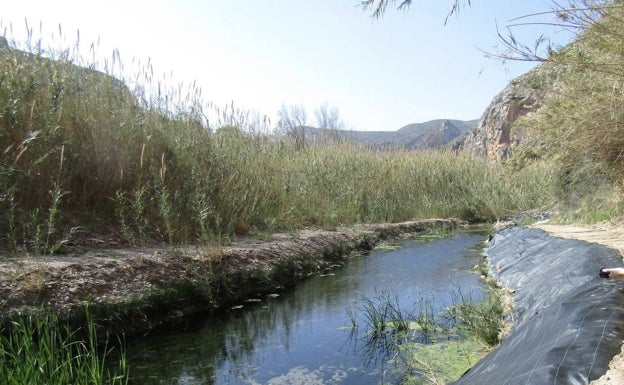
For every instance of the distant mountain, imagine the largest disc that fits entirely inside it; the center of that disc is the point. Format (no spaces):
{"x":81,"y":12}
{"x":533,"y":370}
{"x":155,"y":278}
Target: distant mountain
{"x":437,"y":133}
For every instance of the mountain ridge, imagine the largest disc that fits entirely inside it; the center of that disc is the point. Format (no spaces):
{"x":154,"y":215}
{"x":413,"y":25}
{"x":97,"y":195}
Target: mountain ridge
{"x":436,"y":133}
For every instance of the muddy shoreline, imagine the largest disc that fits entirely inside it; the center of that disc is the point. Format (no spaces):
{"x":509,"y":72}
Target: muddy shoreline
{"x":132,"y":291}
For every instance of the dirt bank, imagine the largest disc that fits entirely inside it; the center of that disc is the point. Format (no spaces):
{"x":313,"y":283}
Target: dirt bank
{"x":608,"y":234}
{"x":134,"y":290}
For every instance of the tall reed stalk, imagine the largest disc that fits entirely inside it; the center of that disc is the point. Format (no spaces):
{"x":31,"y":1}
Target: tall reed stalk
{"x":155,"y":163}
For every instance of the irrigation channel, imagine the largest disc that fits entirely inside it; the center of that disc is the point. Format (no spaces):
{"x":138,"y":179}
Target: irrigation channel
{"x":306,"y":335}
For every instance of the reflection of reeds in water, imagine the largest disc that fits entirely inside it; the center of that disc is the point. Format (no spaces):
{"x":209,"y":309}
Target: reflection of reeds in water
{"x":388,"y":326}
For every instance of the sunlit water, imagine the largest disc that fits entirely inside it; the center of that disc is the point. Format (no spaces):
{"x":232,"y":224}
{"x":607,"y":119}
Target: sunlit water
{"x":305,"y":335}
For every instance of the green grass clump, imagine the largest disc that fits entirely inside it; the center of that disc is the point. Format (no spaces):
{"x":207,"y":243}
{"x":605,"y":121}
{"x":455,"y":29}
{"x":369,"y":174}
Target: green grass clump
{"x":38,"y":349}
{"x":431,"y":348}
{"x":481,"y":319}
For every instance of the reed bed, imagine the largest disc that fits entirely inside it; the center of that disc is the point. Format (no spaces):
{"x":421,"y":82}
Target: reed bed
{"x":83,"y":153}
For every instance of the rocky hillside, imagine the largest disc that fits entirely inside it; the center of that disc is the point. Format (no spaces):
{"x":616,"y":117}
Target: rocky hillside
{"x":497,"y":134}
{"x":432,"y":134}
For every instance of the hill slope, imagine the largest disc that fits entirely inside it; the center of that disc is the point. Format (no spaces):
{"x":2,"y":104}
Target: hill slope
{"x":432,"y":134}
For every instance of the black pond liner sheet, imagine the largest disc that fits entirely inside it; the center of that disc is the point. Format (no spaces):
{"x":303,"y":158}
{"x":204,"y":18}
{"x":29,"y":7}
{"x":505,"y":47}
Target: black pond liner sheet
{"x":568,"y":323}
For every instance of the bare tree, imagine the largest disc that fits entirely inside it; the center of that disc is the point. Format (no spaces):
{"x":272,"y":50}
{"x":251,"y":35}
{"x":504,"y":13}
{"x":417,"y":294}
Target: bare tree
{"x":292,"y":121}
{"x":328,"y":120}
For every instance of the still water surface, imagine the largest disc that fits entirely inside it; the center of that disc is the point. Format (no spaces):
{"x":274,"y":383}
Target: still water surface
{"x":304,"y":335}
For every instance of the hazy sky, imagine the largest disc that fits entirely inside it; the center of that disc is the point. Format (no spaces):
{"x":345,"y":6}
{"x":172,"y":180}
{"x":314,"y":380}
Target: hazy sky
{"x":406,"y":67}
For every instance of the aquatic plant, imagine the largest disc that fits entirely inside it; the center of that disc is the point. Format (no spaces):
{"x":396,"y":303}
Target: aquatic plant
{"x":383,"y":314}
{"x":40,"y":349}
{"x":483,"y":319}
{"x":425,"y":343}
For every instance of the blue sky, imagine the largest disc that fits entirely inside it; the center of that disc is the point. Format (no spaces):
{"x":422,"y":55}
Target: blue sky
{"x":406,"y":67}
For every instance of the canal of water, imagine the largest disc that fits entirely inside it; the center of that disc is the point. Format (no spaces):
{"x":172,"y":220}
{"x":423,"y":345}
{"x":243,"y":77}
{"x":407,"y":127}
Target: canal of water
{"x":306,"y":335}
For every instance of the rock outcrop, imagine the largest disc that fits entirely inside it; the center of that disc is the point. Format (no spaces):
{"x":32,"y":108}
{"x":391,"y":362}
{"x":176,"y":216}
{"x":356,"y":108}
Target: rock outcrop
{"x":498,"y":134}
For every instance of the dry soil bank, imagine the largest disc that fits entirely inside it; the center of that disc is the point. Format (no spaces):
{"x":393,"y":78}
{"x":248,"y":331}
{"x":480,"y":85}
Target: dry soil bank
{"x":135,"y":290}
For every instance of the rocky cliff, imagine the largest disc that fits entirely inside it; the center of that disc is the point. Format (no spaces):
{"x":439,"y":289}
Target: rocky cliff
{"x":498,"y":134}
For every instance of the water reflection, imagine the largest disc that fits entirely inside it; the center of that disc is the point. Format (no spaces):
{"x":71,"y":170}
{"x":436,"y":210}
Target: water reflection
{"x":304,"y":335}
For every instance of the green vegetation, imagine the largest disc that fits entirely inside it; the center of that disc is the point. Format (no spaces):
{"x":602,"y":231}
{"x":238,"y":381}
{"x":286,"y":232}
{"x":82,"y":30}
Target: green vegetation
{"x":578,"y":129}
{"x":82,"y":153}
{"x":442,"y":362}
{"x":432,"y":348}
{"x":482,"y":319}
{"x":85,"y":152}
{"x":41,"y":350}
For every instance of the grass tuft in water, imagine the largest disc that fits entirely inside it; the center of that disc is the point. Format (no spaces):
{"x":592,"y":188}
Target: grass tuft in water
{"x":383,"y":314}
{"x":431,"y":348}
{"x":482,"y":319}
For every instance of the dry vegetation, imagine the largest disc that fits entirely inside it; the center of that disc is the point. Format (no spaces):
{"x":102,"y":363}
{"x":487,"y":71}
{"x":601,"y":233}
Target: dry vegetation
{"x":87,"y":155}
{"x":82,"y":154}
{"x":578,"y":129}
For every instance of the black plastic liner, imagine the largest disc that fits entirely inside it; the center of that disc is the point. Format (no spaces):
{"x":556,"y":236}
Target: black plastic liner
{"x":568,"y":323}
